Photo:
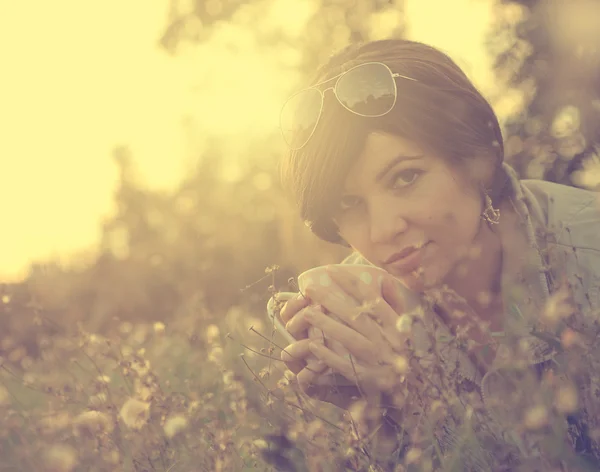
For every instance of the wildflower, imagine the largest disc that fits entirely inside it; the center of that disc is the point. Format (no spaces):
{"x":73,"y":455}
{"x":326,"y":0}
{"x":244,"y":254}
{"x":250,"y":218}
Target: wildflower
{"x":135,"y":413}
{"x":139,"y":334}
{"x":17,"y":354}
{"x":227,"y":377}
{"x":401,"y":365}
{"x":61,"y":458}
{"x":216,"y":355}
{"x":566,"y":399}
{"x":92,"y":422}
{"x":4,"y":396}
{"x":437,"y":411}
{"x":96,"y":401}
{"x":193,"y":406}
{"x":143,"y":392}
{"x":413,"y":455}
{"x":174,"y":425}
{"x":142,"y":367}
{"x":314,"y":429}
{"x":283,"y":382}
{"x":56,"y":422}
{"x":105,"y":379}
{"x":212,"y":333}
{"x":404,"y":324}
{"x":125,"y":327}
{"x":7,"y":343}
{"x":569,"y":338}
{"x":159,"y":327}
{"x":558,"y":307}
{"x":260,"y":444}
{"x":113,"y":457}
{"x":254,"y":324}
{"x":27,"y":363}
{"x":536,"y":417}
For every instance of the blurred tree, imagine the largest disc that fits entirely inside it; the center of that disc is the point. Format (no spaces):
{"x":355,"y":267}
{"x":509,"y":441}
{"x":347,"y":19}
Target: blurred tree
{"x":331,"y":25}
{"x":549,"y":50}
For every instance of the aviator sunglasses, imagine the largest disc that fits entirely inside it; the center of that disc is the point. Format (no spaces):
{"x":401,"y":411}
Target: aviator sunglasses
{"x":367,"y":89}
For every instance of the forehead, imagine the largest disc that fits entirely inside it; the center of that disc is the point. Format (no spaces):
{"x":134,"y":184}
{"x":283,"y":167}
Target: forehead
{"x":380,"y":149}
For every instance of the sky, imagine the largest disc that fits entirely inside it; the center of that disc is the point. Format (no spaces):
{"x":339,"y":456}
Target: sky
{"x":81,"y":78}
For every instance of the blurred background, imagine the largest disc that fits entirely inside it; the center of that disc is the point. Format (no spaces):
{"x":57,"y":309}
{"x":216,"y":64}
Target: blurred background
{"x":143,"y":227}
{"x":139,"y":140}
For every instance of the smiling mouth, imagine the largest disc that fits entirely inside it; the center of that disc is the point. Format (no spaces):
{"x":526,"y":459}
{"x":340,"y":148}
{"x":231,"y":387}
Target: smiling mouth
{"x":408,"y":260}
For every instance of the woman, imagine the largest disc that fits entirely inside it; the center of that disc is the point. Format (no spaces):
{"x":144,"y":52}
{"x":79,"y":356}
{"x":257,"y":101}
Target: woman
{"x":403,"y":163}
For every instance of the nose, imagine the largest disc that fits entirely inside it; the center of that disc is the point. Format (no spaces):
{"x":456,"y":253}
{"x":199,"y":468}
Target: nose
{"x":386,"y":221}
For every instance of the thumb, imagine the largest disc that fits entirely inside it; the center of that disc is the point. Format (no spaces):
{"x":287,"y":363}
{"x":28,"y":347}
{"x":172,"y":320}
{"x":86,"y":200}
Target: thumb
{"x":392,"y":295}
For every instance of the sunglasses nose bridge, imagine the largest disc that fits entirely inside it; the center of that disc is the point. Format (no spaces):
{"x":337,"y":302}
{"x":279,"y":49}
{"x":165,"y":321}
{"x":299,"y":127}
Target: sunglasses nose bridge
{"x":332,"y":88}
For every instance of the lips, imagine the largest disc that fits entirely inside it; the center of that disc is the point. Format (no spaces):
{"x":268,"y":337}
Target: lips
{"x":403,"y":254}
{"x":407,"y":260}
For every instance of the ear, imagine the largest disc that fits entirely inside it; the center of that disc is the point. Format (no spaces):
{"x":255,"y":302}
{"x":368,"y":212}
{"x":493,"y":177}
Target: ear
{"x":482,"y":170}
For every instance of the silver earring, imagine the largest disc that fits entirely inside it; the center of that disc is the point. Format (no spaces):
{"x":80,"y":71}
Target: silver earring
{"x":490,"y":214}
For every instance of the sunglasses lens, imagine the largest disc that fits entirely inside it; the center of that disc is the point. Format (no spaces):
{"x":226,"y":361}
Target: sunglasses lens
{"x":299,"y":117}
{"x":367,"y":90}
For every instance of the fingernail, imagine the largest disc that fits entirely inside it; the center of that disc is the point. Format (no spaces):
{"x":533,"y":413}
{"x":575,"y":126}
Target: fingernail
{"x":314,"y":347}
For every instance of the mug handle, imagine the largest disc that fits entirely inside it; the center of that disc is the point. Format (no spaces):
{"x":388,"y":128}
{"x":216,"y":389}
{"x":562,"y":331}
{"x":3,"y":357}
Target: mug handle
{"x":285,"y":296}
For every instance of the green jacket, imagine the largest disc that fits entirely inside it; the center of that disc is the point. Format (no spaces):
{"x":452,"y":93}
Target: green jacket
{"x":559,"y":228}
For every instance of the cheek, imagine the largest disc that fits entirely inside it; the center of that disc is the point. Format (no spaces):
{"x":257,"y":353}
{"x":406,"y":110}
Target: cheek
{"x":453,"y":229}
{"x":449,"y":218}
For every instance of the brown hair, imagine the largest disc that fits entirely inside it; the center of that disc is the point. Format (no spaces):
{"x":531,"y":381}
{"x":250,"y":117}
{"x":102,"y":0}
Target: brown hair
{"x":442,"y":109}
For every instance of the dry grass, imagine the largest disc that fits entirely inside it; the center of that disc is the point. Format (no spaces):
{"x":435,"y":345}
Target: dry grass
{"x":150,"y":397}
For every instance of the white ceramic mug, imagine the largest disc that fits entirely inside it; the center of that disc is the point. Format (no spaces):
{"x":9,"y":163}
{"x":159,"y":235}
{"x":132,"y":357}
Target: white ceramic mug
{"x":370,"y":275}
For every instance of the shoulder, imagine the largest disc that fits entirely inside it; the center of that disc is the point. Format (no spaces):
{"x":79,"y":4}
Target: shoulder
{"x":571,"y":232}
{"x":571,"y":214}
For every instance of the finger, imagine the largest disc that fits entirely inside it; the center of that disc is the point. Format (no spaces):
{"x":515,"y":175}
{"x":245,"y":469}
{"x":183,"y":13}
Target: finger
{"x":341,"y":396}
{"x":370,"y":380}
{"x":387,"y":320}
{"x":356,"y":343}
{"x":392,"y":295}
{"x":298,"y":325}
{"x":309,"y":377}
{"x":345,"y":308}
{"x":293,"y":306}
{"x":348,"y":368}
{"x":297,"y":356}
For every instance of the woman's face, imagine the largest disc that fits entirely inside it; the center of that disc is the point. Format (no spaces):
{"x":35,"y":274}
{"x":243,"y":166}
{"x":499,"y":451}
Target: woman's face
{"x":398,"y":197}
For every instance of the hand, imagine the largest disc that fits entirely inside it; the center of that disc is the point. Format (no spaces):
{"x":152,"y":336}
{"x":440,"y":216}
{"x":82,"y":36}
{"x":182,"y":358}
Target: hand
{"x":293,"y":311}
{"x":368,"y":329}
{"x":297,"y":356}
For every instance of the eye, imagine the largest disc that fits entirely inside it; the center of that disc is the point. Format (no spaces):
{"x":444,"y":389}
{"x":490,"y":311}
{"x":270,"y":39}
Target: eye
{"x":405,"y":177}
{"x":348,"y":202}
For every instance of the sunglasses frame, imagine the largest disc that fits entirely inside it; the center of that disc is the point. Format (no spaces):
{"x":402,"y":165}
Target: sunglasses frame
{"x":337,"y":79}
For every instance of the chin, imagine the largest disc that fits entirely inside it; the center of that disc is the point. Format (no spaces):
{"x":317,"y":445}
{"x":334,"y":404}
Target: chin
{"x":429,"y":278}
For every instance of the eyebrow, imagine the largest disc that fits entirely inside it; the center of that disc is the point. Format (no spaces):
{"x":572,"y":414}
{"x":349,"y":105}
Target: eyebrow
{"x":393,"y":162}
